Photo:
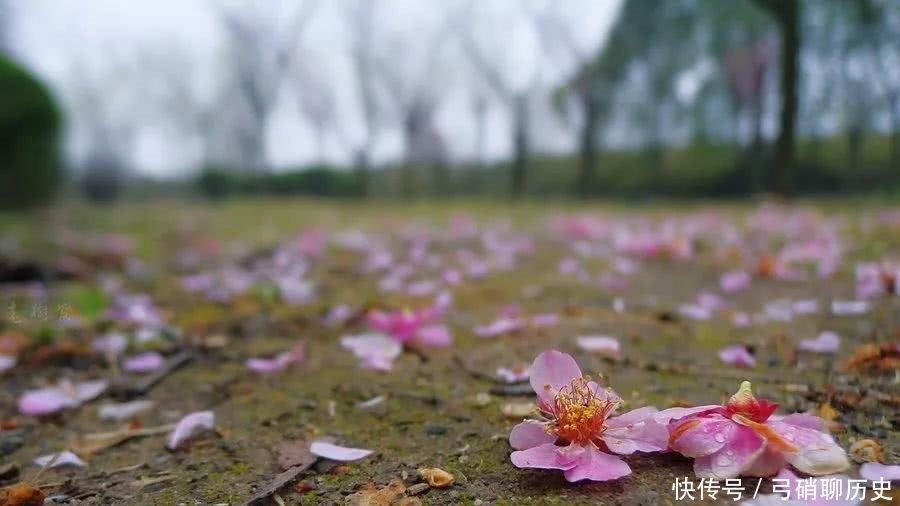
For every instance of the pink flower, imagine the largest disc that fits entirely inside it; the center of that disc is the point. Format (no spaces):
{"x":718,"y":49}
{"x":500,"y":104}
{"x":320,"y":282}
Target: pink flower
{"x":7,"y":363}
{"x":190,"y":425}
{"x":826,"y":342}
{"x":577,"y":432}
{"x":65,"y":458}
{"x":744,"y":438}
{"x":65,"y":395}
{"x":545,"y":320}
{"x":402,"y":325}
{"x":737,"y":355}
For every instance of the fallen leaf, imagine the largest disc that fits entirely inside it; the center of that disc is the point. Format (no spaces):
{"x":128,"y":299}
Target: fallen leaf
{"x":371,"y":495}
{"x":21,"y":495}
{"x":875,"y":358}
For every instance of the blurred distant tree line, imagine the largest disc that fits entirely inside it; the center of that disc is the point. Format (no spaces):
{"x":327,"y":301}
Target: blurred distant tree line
{"x":715,"y":98}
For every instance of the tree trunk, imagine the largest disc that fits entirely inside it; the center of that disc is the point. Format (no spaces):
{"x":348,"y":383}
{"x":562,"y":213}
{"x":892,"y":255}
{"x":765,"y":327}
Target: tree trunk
{"x":588,"y":149}
{"x":855,"y":136}
{"x":441,"y":179}
{"x":783,"y":159}
{"x":894,"y":167}
{"x":520,"y":148}
{"x":480,"y":111}
{"x":362,"y":173}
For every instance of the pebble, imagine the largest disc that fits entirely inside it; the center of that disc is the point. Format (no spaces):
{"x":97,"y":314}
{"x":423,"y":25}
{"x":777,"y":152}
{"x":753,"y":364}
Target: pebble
{"x":433,"y":429}
{"x":11,"y":442}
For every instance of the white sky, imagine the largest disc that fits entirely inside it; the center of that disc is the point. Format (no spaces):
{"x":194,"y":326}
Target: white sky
{"x":65,"y":41}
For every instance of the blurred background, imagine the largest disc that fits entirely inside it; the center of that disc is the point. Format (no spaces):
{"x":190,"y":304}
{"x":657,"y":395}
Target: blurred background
{"x":110,"y":100}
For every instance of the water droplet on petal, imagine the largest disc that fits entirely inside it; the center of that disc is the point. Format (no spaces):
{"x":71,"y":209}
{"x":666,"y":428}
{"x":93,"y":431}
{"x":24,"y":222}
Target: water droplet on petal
{"x":722,"y":460}
{"x":729,"y":453}
{"x":789,"y":436}
{"x":719,"y":437}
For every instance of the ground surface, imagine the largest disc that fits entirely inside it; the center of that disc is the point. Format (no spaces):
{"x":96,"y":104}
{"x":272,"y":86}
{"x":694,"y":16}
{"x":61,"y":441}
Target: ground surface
{"x":431,"y":414}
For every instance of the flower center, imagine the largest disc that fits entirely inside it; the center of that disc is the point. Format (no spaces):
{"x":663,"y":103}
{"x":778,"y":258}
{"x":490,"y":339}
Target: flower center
{"x":581,"y":411}
{"x":744,"y":403}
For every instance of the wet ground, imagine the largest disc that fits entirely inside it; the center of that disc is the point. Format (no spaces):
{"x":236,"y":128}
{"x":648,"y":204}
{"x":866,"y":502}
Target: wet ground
{"x":436,"y":407}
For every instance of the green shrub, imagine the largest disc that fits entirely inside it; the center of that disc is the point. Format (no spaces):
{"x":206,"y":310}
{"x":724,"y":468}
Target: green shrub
{"x":31,"y":172}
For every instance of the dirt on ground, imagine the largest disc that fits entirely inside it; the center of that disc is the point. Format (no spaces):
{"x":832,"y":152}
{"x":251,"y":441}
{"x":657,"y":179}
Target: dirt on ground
{"x":437,"y":407}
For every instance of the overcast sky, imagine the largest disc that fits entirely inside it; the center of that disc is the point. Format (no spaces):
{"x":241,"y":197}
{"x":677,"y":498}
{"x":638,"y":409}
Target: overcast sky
{"x":67,"y":41}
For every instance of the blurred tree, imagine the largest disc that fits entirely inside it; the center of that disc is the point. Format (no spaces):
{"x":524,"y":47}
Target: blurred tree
{"x":514,"y":96}
{"x":31,"y":169}
{"x":101,"y":177}
{"x":262,"y":51}
{"x":787,"y":16}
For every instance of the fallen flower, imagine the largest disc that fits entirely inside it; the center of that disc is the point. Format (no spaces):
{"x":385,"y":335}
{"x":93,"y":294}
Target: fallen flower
{"x":123,"y":411}
{"x":876,"y":471}
{"x":189,"y":425}
{"x":339,"y":453}
{"x":731,"y":282}
{"x":826,"y":342}
{"x":577,"y":430}
{"x":500,"y":326}
{"x":374,"y":350}
{"x":603,"y":345}
{"x":65,"y":458}
{"x":65,"y":395}
{"x":143,"y":362}
{"x":850,"y":307}
{"x":545,"y":320}
{"x":744,"y":438}
{"x":737,"y":355}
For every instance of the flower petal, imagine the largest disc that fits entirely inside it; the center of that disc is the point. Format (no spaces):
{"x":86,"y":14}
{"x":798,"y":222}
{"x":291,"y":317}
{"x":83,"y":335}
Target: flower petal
{"x":65,"y":459}
{"x":547,"y":456}
{"x":818,"y":454}
{"x":743,"y":448}
{"x":529,"y":434}
{"x":875,"y":471}
{"x":189,"y":425}
{"x":7,"y":363}
{"x":636,"y":430}
{"x":604,"y":345}
{"x":737,"y":355}
{"x":699,"y":437}
{"x":265,"y":365}
{"x":597,"y":466}
{"x":339,"y":453}
{"x":88,"y":390}
{"x":434,"y":336}
{"x":826,"y":342}
{"x":669,"y":414}
{"x":767,"y":464}
{"x":123,"y":411}
{"x":143,"y":362}
{"x":45,"y":401}
{"x":554,"y":369}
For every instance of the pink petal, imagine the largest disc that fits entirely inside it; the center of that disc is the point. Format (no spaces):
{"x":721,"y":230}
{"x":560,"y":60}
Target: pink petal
{"x":636,"y":431}
{"x":434,"y":335}
{"x":65,"y":459}
{"x":189,"y":425}
{"x":265,"y":365}
{"x":667,"y":415}
{"x":547,"y":456}
{"x":767,"y":464}
{"x":46,"y":401}
{"x":595,"y":465}
{"x":88,"y":390}
{"x":553,"y":369}
{"x":826,"y":342}
{"x":143,"y":362}
{"x":875,"y":471}
{"x":731,"y":282}
{"x":741,"y":451}
{"x":706,"y":436}
{"x":529,"y":434}
{"x":818,"y":453}
{"x":123,"y":411}
{"x":737,"y":355}
{"x":545,"y":320}
{"x":335,"y":452}
{"x":695,"y":312}
{"x":801,"y":420}
{"x":7,"y":363}
{"x":603,"y":345}
{"x":374,"y":351}
{"x":513,"y":375}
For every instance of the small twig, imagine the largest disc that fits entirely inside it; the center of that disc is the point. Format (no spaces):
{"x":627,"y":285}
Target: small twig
{"x":144,"y":385}
{"x":279,"y":482}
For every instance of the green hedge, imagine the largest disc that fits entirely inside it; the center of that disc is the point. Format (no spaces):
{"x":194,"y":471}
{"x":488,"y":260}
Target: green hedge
{"x":217,"y":183}
{"x":31,"y":171}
